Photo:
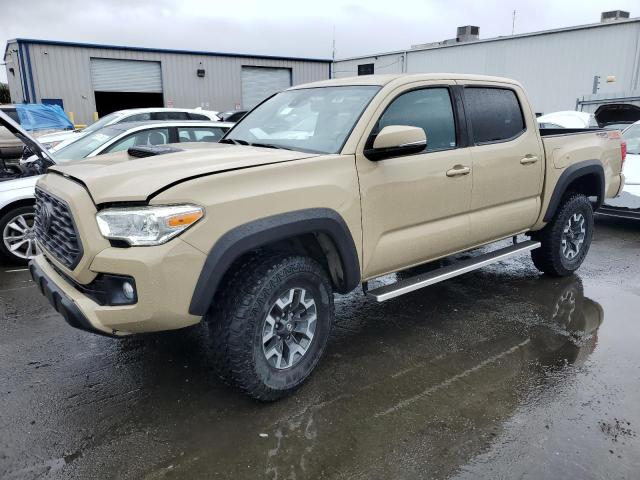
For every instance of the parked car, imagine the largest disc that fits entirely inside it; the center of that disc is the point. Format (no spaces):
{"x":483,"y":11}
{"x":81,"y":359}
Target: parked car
{"x":17,"y":195}
{"x":37,"y":118}
{"x":323,"y":187}
{"x":232,"y":115}
{"x":131,"y":115}
{"x":564,"y":119}
{"x":627,"y":205}
{"x":616,"y":116}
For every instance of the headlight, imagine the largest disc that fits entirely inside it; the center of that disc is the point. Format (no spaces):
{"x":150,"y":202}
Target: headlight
{"x":151,"y":225}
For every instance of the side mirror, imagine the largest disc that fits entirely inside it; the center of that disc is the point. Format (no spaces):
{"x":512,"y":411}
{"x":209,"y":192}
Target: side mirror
{"x":395,"y":141}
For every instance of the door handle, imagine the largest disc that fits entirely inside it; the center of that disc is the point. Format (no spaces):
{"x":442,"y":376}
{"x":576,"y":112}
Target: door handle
{"x":458,"y":171}
{"x":528,"y":159}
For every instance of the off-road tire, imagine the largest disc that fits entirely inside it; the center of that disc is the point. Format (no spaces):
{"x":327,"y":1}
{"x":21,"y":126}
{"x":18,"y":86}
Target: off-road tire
{"x":236,"y":323}
{"x":549,"y":258}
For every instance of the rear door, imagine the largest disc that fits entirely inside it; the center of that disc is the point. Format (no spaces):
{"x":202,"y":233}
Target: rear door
{"x":507,"y":158}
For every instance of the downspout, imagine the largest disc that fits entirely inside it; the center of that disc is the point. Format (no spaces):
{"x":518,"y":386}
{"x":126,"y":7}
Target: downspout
{"x":23,"y":76}
{"x":33,"y":86}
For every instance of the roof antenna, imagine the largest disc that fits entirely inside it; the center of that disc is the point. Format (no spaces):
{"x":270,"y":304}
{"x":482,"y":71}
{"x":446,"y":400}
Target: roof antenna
{"x":513,"y":23}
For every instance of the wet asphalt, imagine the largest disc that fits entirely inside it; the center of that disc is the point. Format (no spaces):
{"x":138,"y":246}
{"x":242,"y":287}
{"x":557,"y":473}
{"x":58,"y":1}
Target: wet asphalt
{"x":502,"y":373}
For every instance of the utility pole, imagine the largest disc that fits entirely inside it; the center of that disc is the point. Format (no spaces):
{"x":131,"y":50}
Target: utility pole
{"x":333,"y":53}
{"x":513,"y":23}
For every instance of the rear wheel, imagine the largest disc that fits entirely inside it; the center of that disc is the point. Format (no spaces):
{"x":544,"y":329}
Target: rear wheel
{"x":273,"y":325}
{"x":18,"y":238}
{"x":566,"y":238}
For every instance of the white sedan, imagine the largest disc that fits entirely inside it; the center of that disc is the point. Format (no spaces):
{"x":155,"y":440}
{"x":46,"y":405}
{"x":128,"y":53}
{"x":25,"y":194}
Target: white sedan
{"x":627,"y":205}
{"x":17,"y":195}
{"x":130,"y":115}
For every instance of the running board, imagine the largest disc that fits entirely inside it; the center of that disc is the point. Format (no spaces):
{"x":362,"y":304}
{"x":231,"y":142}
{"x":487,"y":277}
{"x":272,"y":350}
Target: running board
{"x":619,"y":213}
{"x":393,"y":290}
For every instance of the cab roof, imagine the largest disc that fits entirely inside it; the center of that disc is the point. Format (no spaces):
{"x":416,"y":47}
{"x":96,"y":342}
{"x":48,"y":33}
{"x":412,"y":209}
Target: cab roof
{"x":382,"y":80}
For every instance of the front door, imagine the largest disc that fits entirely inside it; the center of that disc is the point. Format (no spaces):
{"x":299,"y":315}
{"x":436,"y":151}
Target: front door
{"x":415,"y":207}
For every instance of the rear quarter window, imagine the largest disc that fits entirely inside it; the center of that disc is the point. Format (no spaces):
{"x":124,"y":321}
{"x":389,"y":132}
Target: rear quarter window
{"x":495,"y":114}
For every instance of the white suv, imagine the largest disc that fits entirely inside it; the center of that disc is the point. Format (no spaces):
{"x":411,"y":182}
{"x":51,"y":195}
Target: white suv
{"x":131,"y":115}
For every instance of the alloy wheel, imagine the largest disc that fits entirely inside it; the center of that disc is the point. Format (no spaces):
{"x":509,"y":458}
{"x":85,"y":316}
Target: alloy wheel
{"x":19,"y":236}
{"x":573,"y":236}
{"x":289,"y":328}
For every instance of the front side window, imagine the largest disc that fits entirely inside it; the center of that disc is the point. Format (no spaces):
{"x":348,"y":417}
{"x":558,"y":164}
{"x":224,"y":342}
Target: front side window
{"x":495,"y":114}
{"x":201,"y":134}
{"x":316,"y":120}
{"x":429,"y":109}
{"x":156,"y":136}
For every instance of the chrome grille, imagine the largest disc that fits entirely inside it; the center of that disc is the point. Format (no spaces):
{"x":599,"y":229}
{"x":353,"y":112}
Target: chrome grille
{"x":55,"y":230}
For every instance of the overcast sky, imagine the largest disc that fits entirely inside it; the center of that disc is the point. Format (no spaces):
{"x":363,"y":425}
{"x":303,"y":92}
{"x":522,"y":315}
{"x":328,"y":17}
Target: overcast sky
{"x":286,"y":27}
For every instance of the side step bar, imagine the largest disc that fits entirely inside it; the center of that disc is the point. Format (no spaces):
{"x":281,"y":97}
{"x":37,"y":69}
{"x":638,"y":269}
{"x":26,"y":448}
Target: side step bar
{"x":619,"y":213}
{"x":393,"y":290}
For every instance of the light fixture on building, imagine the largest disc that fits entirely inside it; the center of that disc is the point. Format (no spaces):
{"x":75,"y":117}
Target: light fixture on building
{"x":200,"y":72}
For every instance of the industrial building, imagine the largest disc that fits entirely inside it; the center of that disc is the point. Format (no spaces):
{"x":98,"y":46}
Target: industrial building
{"x":89,"y":80}
{"x":562,"y":69}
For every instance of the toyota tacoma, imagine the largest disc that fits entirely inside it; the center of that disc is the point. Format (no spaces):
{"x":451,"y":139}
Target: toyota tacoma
{"x":319,"y":189}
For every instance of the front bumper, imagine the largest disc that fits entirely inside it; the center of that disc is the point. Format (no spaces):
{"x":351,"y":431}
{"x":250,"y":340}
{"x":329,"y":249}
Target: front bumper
{"x":62,"y":303}
{"x":164,"y":276}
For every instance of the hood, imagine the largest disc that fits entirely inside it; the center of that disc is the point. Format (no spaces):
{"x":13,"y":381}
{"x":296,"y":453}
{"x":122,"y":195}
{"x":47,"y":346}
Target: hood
{"x":614,"y":113}
{"x":59,"y":136}
{"x":119,"y":177}
{"x":18,"y":183}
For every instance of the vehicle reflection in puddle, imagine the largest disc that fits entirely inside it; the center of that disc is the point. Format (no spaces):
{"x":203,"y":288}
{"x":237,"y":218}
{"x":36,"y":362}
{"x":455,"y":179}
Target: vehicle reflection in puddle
{"x":415,"y":386}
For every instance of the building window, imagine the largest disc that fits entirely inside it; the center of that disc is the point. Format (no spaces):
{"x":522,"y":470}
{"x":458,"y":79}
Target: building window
{"x":365,"y":69}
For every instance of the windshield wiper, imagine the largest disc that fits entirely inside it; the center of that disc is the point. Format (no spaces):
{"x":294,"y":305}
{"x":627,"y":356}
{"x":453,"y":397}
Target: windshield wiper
{"x":270,"y":145}
{"x":234,"y":141}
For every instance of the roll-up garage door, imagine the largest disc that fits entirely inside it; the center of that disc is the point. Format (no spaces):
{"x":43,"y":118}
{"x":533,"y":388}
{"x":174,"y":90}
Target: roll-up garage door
{"x":110,"y":75}
{"x":259,"y":83}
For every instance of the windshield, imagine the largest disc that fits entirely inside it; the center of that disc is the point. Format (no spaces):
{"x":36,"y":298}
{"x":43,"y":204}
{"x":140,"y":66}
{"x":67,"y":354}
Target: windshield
{"x":314,"y":120}
{"x":85,"y":145}
{"x":632,"y":137}
{"x":106,"y":120}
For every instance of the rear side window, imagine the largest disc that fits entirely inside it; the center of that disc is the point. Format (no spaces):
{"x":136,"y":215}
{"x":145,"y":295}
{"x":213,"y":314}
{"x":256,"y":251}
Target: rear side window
{"x":169,"y":116}
{"x":429,"y":109}
{"x":495,"y":114}
{"x":197,"y":116}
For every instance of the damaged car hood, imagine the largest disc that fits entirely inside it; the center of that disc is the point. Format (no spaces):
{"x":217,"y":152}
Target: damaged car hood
{"x":120,"y":177}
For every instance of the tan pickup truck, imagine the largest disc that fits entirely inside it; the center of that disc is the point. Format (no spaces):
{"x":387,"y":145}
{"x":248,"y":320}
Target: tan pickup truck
{"x":320,"y":189}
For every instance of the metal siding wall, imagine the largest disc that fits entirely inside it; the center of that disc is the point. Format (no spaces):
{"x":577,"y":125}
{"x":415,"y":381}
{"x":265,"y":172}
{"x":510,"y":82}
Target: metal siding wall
{"x":14,"y":80}
{"x":555,"y":68}
{"x":63,"y":72}
{"x":387,"y":63}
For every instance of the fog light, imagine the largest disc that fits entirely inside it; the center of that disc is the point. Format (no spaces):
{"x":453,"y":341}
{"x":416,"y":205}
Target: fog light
{"x":127,"y":291}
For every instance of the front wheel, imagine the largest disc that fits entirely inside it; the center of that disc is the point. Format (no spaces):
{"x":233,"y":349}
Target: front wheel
{"x":273,"y":324}
{"x":566,"y":238}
